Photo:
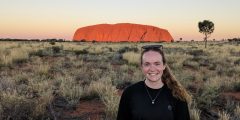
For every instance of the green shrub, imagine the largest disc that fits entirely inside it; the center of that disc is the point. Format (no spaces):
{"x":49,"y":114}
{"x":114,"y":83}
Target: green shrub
{"x":190,"y":64}
{"x":207,"y":97}
{"x":56,"y":49}
{"x":196,"y":52}
{"x":79,"y":52}
{"x":237,"y":87}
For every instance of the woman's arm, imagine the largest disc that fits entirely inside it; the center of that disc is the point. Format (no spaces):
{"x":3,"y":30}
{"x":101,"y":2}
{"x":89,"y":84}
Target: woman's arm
{"x":124,"y":109}
{"x":181,"y":111}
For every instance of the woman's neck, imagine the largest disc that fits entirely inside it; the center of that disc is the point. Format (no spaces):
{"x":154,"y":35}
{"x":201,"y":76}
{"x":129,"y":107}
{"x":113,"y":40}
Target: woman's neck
{"x":154,"y":85}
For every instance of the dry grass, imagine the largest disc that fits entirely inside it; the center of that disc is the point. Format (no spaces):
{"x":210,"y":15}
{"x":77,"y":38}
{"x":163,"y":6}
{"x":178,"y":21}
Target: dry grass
{"x":224,"y":116}
{"x":108,"y":94}
{"x":194,"y":111}
{"x":132,"y":57}
{"x":237,"y":112}
{"x":42,"y":102}
{"x":93,"y":75}
{"x":195,"y":114}
{"x":42,"y":69}
{"x":71,"y":90}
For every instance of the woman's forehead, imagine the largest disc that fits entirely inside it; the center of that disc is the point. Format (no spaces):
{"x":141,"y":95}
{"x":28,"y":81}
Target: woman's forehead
{"x":152,"y":56}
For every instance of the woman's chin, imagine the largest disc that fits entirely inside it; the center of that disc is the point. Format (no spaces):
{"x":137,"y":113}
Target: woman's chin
{"x":153,"y":79}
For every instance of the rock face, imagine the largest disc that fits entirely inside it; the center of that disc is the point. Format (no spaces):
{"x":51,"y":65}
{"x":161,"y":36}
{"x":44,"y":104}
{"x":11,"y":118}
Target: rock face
{"x":122,"y":32}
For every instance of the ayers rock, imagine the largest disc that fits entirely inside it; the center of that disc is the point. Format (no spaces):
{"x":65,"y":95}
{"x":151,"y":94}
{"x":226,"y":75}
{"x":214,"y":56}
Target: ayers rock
{"x":122,"y":32}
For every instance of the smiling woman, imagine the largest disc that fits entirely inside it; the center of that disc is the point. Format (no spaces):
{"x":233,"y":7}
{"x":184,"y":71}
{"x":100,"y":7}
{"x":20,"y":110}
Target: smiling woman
{"x":159,"y":96}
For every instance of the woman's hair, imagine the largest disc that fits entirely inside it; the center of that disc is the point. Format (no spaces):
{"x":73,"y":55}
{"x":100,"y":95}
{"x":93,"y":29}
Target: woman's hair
{"x":168,"y":78}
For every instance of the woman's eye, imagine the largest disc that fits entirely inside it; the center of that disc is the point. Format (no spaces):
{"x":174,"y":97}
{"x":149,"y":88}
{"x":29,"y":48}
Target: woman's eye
{"x":146,"y":64}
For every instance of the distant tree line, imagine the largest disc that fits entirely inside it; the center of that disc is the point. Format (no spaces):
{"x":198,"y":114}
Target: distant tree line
{"x":36,"y":40}
{"x":63,"y":40}
{"x":234,"y":40}
{"x":93,"y":41}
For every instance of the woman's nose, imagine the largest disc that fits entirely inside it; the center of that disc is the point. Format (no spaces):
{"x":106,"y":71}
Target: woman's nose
{"x":152,"y":68}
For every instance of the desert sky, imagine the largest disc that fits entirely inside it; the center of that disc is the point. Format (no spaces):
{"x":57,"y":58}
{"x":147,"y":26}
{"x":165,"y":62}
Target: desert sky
{"x":43,"y":19}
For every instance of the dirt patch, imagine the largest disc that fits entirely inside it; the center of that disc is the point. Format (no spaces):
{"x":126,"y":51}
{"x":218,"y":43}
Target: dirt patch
{"x":235,"y":95}
{"x":87,"y":110}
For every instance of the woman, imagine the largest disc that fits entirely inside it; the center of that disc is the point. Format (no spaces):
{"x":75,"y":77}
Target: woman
{"x":159,"y":96}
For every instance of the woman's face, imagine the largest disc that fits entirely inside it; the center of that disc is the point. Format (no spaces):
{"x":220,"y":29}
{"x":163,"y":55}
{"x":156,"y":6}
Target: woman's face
{"x":152,"y":66}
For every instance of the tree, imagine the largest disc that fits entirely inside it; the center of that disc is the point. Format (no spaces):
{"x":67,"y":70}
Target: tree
{"x":206,"y":27}
{"x":180,"y":39}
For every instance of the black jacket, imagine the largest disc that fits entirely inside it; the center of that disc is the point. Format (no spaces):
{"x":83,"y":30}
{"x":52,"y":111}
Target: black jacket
{"x":135,"y":104}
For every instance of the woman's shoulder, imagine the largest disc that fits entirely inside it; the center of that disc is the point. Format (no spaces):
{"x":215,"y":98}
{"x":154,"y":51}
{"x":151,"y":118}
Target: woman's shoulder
{"x":134,"y":87}
{"x":176,"y":100}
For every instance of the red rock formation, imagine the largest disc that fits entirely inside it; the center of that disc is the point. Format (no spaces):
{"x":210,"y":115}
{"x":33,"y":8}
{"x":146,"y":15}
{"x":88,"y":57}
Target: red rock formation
{"x":122,"y":32}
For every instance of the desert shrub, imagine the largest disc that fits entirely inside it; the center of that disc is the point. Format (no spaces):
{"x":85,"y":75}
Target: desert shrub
{"x":234,"y":52}
{"x":6,"y":84}
{"x":236,"y":115}
{"x":108,"y":94}
{"x":16,"y":107}
{"x":237,"y":62}
{"x":42,"y":103}
{"x":91,"y":58}
{"x":13,"y":55}
{"x":236,"y":86}
{"x":174,"y":50}
{"x":230,"y":72}
{"x":207,"y":97}
{"x":56,"y":49}
{"x":194,"y":111}
{"x":1,"y":111}
{"x":52,"y":43}
{"x":195,"y":114}
{"x":90,"y":92}
{"x":189,"y":78}
{"x":20,"y":60}
{"x":202,"y":60}
{"x":67,"y":64}
{"x":42,"y":69}
{"x":55,"y":69}
{"x":127,"y":49}
{"x":122,"y":81}
{"x":190,"y":64}
{"x":41,"y":53}
{"x":79,"y":52}
{"x":71,"y":91}
{"x":49,"y":51}
{"x":117,"y":57}
{"x":211,"y":90}
{"x":21,"y":79}
{"x":223,"y":115}
{"x":212,"y":66}
{"x":197,"y":53}
{"x":132,"y":57}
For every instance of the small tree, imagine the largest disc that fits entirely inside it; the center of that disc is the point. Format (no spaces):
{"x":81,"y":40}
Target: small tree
{"x":206,"y":27}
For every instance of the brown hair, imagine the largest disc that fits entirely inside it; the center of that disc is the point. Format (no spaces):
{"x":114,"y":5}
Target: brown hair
{"x":168,"y":78}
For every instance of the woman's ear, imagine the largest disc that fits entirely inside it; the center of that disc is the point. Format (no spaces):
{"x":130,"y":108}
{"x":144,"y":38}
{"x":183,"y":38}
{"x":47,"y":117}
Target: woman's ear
{"x":164,"y":66}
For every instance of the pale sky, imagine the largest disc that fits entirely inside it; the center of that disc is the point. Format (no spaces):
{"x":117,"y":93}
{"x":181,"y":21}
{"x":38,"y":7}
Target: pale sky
{"x":42,"y":19}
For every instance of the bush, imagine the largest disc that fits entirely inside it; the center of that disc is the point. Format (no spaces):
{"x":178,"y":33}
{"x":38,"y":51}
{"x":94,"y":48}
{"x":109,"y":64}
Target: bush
{"x":50,"y":51}
{"x":196,"y":52}
{"x":56,"y":49}
{"x":16,"y":107}
{"x":52,"y":43}
{"x":237,"y":87}
{"x":190,"y":64}
{"x":207,"y":97}
{"x":237,"y":62}
{"x":79,"y":52}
